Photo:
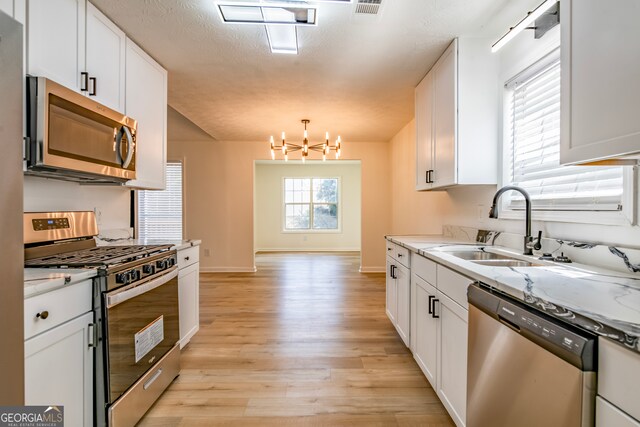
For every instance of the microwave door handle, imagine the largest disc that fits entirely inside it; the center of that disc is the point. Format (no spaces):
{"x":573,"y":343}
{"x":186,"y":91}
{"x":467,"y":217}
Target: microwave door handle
{"x":130,"y":147}
{"x":128,"y":292}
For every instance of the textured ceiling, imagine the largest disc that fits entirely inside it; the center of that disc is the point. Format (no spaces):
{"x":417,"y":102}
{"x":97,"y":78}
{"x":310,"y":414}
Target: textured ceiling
{"x":353,"y":77}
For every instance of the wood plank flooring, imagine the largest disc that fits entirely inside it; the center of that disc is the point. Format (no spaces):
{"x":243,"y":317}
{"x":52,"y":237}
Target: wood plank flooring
{"x":305,"y":341}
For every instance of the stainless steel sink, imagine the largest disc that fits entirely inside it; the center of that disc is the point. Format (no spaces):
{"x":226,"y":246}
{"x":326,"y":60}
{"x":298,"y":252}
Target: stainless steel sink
{"x":493,"y":259}
{"x":479,"y":255}
{"x":507,"y":263}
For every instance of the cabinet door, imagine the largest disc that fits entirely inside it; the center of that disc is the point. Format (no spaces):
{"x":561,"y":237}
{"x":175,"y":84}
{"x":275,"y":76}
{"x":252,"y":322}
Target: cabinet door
{"x":452,"y":357}
{"x":59,"y":370}
{"x":403,"y":316}
{"x":444,"y":119}
{"x":105,"y":59}
{"x":600,"y":101}
{"x":424,"y":131}
{"x":608,"y":415}
{"x":189,"y":298}
{"x":146,"y":102}
{"x":424,"y":328}
{"x":392,"y":300}
{"x":56,"y":40}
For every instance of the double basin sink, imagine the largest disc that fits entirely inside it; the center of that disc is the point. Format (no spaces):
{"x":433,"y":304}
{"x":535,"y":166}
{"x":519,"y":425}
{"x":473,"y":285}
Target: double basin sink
{"x":492,"y":259}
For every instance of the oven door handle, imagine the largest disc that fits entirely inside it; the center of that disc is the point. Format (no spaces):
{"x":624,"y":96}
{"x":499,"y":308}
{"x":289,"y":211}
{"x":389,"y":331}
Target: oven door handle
{"x":127,"y":293}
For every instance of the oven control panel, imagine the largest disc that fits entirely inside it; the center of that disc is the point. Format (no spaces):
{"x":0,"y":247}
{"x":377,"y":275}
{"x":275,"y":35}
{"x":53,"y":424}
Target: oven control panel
{"x":41,"y":224}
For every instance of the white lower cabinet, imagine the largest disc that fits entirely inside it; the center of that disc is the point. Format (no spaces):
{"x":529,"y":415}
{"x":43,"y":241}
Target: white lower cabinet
{"x":391,"y":291}
{"x":403,"y":294}
{"x":608,"y":415}
{"x":452,"y":357}
{"x":424,"y":327}
{"x":189,"y":292}
{"x":398,"y":303}
{"x":189,"y":297}
{"x":59,"y":370}
{"x":439,"y":330}
{"x":618,"y":386}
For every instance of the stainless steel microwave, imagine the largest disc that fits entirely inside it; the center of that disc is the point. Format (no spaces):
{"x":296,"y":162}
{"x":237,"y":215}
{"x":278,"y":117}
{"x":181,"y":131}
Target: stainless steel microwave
{"x":74,"y":138}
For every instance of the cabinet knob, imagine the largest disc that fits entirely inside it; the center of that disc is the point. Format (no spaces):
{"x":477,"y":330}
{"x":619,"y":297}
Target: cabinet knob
{"x":399,"y":255}
{"x":42,"y":315}
{"x":186,"y":258}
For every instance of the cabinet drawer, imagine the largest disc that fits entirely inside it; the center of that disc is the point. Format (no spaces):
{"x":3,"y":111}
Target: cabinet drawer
{"x":453,"y":285}
{"x":61,"y":305}
{"x":402,"y":255}
{"x":619,"y":376}
{"x":390,"y":248}
{"x":608,"y":415}
{"x":423,"y":268}
{"x":188,"y":256}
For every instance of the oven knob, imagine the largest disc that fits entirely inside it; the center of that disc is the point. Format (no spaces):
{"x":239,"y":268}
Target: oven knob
{"x":161,"y":264}
{"x":122,"y":278}
{"x":172,"y":262}
{"x":134,"y":275}
{"x":148,"y":269}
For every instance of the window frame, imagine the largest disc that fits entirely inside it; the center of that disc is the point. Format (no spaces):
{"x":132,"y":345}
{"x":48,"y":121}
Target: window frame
{"x":310,"y":230}
{"x":626,"y":216}
{"x":182,"y":162}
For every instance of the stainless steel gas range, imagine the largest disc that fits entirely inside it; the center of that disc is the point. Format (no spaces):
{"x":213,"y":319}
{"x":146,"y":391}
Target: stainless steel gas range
{"x":135,"y":304}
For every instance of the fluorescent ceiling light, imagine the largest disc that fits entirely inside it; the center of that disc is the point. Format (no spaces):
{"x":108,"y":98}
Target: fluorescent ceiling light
{"x":525,"y":23}
{"x":272,"y":13}
{"x":282,"y":38}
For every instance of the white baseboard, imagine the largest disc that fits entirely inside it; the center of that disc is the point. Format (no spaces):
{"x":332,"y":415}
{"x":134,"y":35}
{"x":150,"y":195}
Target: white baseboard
{"x":308,"y":250}
{"x":228,"y":269}
{"x":372,"y":269}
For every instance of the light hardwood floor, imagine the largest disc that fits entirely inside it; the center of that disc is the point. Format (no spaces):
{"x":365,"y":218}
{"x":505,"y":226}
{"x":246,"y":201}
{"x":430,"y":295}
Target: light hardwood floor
{"x":305,"y":341}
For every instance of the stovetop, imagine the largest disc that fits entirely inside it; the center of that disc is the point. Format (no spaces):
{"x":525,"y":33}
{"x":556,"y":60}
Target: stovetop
{"x":97,"y":256}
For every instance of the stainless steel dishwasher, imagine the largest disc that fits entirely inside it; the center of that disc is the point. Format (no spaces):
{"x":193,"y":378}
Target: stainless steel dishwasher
{"x":525,"y":369}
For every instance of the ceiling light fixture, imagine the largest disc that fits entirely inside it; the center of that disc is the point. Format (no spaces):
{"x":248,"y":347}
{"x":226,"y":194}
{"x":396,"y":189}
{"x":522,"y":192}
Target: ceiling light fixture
{"x":325,"y":148}
{"x":277,"y":13}
{"x":525,"y":23}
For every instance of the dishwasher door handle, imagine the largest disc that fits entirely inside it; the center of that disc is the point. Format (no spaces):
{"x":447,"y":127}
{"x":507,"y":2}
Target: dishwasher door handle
{"x":509,"y":323}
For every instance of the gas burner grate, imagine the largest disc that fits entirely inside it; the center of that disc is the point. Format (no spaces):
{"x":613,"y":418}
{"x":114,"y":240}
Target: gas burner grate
{"x":98,"y":256}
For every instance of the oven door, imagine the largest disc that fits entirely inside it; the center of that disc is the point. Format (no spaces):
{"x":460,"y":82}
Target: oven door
{"x":141,"y":326}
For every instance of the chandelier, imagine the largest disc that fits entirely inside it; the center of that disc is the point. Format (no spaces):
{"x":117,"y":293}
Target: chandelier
{"x":325,"y":148}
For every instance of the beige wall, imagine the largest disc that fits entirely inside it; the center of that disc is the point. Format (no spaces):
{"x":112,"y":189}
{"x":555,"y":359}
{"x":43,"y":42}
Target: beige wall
{"x":412,"y":212}
{"x":219,"y":177}
{"x":269,"y":211}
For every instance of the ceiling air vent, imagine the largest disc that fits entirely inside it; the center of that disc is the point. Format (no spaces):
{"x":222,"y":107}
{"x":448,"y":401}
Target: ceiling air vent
{"x":368,"y":7}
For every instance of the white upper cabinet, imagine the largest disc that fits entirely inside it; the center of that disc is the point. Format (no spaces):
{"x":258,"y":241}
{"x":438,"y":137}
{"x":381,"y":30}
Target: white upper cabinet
{"x":56,"y":40}
{"x":444,"y":119}
{"x":105,"y":60}
{"x":457,"y":118}
{"x":600,"y":100}
{"x":146,"y":102}
{"x":424,"y":132}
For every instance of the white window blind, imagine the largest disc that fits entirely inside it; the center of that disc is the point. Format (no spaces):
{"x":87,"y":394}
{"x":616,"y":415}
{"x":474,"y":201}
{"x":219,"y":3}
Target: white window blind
{"x":533,"y":128}
{"x":160,"y":212}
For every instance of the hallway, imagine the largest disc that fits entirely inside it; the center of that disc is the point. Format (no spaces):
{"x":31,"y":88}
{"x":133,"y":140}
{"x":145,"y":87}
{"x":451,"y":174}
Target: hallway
{"x":305,"y":341}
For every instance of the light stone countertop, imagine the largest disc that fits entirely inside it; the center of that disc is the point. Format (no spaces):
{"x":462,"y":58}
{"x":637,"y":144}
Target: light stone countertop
{"x":603,"y":301}
{"x":177,"y":244}
{"x":41,"y":280}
